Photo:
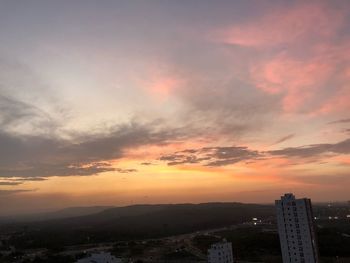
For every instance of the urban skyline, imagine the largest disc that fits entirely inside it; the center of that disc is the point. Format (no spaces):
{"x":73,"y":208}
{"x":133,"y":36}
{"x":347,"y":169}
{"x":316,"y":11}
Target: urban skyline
{"x":153,"y":102}
{"x":187,"y":233}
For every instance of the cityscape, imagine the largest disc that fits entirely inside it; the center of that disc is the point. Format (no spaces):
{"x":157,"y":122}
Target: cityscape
{"x":290,"y":231}
{"x":169,"y":131}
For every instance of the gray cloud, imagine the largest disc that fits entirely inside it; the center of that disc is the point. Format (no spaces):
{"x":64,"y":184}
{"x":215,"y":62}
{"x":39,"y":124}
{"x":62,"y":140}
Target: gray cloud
{"x":212,"y":156}
{"x":285,"y":138}
{"x":146,"y":163}
{"x":340,"y":121}
{"x":17,"y":114}
{"x":125,"y":171}
{"x":32,"y":145}
{"x":10,"y":183}
{"x":25,"y":179}
{"x":342,"y":147}
{"x":20,"y":180}
{"x":27,"y":104}
{"x":221,"y":156}
{"x":16,"y":191}
{"x":39,"y":156}
{"x":228,"y":106}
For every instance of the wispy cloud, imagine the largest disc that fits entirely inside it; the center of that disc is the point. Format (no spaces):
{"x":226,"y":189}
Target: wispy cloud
{"x":19,"y":116}
{"x":342,"y":147}
{"x":285,"y":138}
{"x":340,"y":121}
{"x":323,"y":179}
{"x":10,"y":183}
{"x":211,"y":156}
{"x":286,"y":25}
{"x":221,"y":156}
{"x":16,"y":191}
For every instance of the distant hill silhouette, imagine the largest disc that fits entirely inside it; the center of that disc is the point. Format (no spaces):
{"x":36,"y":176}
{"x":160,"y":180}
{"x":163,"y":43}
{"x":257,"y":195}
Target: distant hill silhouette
{"x":62,"y":213}
{"x":138,"y":221}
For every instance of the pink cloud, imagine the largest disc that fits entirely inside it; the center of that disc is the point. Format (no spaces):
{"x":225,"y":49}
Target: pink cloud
{"x":162,"y":86}
{"x":340,"y":102}
{"x":303,"y":21}
{"x":159,"y":82}
{"x":296,"y":80}
{"x":313,"y":61}
{"x":318,"y":85}
{"x":340,"y":98}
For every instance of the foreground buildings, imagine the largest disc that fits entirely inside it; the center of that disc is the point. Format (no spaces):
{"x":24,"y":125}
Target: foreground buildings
{"x":296,"y":230}
{"x":220,"y":253}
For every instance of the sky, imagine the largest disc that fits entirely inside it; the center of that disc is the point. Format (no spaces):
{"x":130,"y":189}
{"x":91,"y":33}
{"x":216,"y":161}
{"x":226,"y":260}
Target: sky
{"x":130,"y":102}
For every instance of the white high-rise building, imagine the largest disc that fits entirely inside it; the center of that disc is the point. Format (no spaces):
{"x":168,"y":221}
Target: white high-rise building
{"x":296,"y":230}
{"x":220,"y":253}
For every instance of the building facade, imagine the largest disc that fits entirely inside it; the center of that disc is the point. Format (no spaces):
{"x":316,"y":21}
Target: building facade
{"x":296,"y":230}
{"x":220,"y":253}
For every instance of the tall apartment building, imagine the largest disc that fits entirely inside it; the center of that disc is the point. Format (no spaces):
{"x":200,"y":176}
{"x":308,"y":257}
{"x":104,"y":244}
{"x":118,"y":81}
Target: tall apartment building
{"x":220,"y":253}
{"x":296,"y":230}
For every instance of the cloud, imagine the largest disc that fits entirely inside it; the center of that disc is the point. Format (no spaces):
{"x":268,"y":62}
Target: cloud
{"x":286,"y":25}
{"x":211,"y":156}
{"x":147,"y":163}
{"x":294,"y":79}
{"x":342,"y":147}
{"x":20,"y":180}
{"x":10,"y":183}
{"x":333,"y":179}
{"x":86,"y":154}
{"x":340,"y":121}
{"x":27,"y":105}
{"x":303,"y":65}
{"x":22,"y":117}
{"x":125,"y":171}
{"x":222,"y":156}
{"x":25,"y":179}
{"x":17,"y":191}
{"x":285,"y":138}
{"x":303,"y":81}
{"x":35,"y":145}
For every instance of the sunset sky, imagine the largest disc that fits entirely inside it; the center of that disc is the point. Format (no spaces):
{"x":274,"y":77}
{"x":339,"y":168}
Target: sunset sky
{"x":126,"y":102}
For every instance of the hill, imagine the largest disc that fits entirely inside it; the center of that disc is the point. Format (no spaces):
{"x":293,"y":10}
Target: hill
{"x":59,"y":214}
{"x":136,"y":222}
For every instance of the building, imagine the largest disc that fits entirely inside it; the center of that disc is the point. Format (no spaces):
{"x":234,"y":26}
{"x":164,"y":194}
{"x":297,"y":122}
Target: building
{"x":220,"y":253}
{"x":102,"y":257}
{"x":296,"y":230}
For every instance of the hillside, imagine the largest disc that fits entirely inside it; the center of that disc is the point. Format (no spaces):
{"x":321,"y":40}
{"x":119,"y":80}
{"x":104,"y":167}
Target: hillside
{"x":139,"y":221}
